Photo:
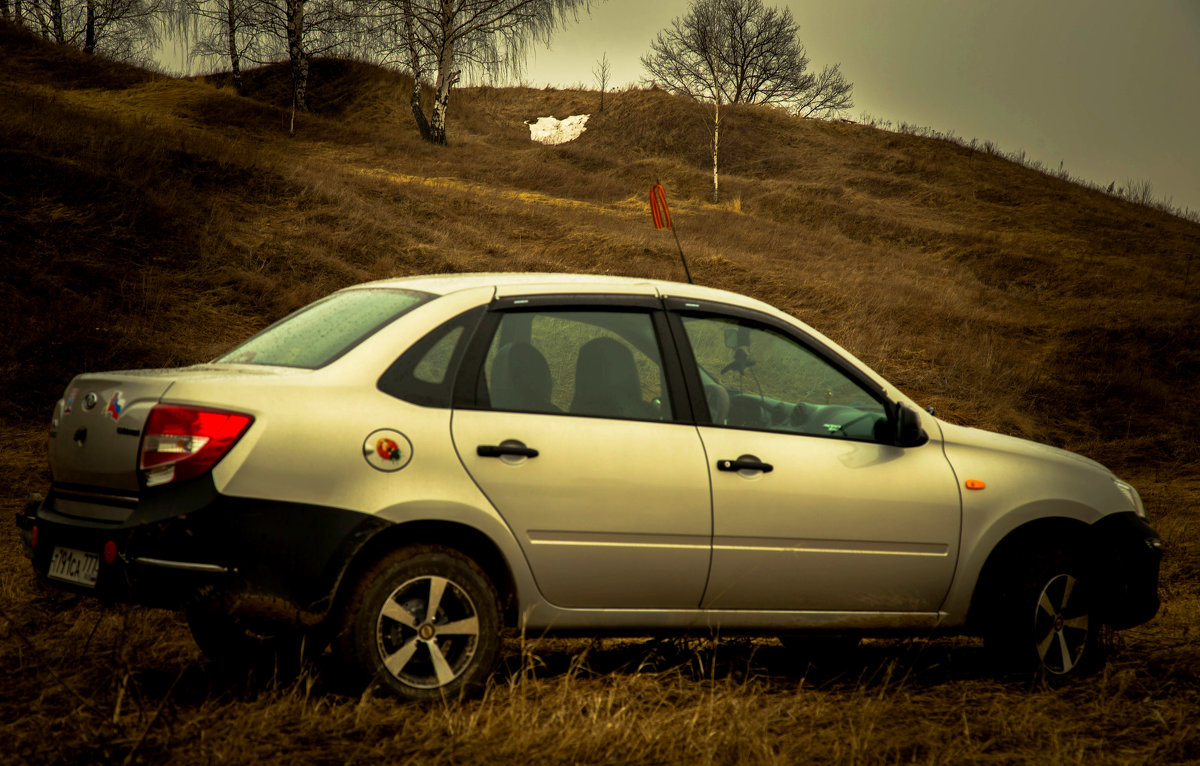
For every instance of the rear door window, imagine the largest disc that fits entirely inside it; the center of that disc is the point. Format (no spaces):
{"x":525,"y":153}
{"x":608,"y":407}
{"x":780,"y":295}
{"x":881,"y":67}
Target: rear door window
{"x":590,"y":363}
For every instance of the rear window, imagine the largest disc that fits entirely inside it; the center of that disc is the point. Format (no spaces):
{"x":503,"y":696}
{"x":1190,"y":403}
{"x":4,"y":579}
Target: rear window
{"x":316,"y":335}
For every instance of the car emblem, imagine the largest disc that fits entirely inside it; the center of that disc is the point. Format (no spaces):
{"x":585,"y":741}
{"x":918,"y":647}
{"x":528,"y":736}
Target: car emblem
{"x":387,"y":450}
{"x":89,"y":401}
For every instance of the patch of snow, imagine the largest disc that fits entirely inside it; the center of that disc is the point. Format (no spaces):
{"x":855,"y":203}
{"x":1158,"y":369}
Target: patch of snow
{"x":548,"y":130}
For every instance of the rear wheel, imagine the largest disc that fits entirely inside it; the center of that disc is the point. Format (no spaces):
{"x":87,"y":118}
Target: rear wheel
{"x":1043,"y":618}
{"x":424,"y":622}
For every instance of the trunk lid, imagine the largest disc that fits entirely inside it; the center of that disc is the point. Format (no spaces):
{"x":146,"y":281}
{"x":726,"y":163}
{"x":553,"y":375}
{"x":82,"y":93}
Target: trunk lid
{"x":97,"y":427}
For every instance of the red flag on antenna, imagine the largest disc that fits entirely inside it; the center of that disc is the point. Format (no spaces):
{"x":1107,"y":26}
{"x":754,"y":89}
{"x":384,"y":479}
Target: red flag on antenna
{"x":658,"y":207}
{"x":662,"y":219}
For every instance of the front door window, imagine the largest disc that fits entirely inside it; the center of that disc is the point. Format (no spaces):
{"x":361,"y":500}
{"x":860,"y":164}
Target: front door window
{"x":756,"y":377}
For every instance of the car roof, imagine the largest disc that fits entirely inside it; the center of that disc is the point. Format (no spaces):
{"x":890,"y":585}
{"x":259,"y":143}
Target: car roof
{"x":512,"y":283}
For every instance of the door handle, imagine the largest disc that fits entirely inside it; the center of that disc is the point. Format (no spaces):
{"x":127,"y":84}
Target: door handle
{"x":500,"y":450}
{"x":745,"y":463}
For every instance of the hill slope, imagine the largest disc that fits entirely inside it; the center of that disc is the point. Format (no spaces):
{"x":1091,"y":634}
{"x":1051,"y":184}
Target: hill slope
{"x":148,"y":221}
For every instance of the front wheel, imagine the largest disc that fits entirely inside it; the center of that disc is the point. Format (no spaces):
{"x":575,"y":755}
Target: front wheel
{"x":1044,"y":619}
{"x":424,"y":622}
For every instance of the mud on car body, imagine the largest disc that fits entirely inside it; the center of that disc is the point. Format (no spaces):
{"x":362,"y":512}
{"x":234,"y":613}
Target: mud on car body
{"x":405,"y":468}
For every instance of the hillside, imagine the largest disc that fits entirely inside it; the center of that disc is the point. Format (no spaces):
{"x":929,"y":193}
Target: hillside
{"x":149,"y":221}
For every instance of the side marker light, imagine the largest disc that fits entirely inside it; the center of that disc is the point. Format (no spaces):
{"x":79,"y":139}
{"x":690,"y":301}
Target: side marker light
{"x":975,"y":484}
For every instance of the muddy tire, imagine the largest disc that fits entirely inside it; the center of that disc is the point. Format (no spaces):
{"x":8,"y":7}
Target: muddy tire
{"x":423,"y":623}
{"x":1043,"y":618}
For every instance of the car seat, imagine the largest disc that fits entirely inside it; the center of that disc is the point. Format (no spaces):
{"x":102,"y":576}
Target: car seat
{"x":607,"y":382}
{"x":520,"y":380}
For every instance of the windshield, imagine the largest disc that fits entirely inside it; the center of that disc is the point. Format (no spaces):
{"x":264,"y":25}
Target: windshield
{"x":319,"y":333}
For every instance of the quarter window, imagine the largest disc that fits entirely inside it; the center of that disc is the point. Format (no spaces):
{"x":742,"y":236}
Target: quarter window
{"x":424,"y":374}
{"x":756,"y":377}
{"x":593,"y":363}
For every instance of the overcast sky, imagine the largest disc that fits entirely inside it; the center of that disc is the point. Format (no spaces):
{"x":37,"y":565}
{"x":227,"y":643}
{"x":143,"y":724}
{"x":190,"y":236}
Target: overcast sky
{"x":1111,"y":88}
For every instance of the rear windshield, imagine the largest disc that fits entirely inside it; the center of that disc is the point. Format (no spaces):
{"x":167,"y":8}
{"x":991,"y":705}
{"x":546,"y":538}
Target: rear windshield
{"x":316,"y":335}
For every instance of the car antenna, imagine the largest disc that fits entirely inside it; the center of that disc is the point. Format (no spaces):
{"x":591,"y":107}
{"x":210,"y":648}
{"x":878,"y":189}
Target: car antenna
{"x":662,"y":217}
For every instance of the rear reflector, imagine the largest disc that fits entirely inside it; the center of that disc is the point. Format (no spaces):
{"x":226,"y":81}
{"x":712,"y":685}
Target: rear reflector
{"x":183,"y":442}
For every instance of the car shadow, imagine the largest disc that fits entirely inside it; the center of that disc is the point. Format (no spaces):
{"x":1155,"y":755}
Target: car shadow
{"x":823,"y":664}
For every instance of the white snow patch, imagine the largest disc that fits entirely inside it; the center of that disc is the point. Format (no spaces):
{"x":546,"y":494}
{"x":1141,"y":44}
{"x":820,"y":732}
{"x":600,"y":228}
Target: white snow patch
{"x":549,"y":130}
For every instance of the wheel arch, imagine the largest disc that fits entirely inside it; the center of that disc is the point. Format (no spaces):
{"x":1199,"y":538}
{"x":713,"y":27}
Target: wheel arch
{"x":1039,"y":534}
{"x":463,"y":538}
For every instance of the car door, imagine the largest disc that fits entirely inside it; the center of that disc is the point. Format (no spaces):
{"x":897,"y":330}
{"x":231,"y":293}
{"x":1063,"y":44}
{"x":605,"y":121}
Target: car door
{"x":814,"y":507}
{"x":567,"y":419}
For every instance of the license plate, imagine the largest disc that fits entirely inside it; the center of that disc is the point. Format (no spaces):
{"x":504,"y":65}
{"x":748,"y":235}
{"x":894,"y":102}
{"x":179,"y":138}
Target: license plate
{"x":70,"y":565}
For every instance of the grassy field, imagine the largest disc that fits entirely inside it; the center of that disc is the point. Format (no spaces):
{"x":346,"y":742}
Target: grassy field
{"x":150,"y":221}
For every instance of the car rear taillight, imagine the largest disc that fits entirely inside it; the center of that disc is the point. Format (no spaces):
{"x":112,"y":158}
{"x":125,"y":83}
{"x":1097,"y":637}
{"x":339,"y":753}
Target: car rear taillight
{"x":183,"y":442}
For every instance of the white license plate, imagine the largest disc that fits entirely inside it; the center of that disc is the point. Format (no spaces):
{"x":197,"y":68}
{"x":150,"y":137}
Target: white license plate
{"x":70,"y":565}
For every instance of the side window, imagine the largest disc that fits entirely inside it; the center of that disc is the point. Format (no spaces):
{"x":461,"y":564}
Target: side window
{"x":594,"y":363}
{"x":424,"y":374}
{"x":756,"y":377}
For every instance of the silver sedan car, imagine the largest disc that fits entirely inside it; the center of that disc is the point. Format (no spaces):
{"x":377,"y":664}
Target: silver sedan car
{"x":405,"y":469}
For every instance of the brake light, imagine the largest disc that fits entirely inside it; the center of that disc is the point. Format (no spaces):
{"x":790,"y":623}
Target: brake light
{"x":183,"y":442}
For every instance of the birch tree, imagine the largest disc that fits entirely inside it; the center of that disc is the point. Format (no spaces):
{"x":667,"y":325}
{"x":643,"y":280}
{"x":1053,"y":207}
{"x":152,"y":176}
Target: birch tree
{"x":725,"y":52}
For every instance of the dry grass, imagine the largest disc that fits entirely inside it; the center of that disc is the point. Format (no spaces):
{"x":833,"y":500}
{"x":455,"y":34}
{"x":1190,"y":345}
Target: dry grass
{"x":149,"y":221}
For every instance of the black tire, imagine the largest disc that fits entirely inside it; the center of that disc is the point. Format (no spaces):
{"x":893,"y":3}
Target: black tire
{"x":1043,"y":618}
{"x":392,"y":638}
{"x":243,"y":644}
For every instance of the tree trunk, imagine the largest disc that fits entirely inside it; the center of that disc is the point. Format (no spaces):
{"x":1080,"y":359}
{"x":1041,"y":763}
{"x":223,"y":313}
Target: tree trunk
{"x":56,"y":21}
{"x":89,"y":35}
{"x":414,"y":63}
{"x":4,"y":9}
{"x":299,"y":59}
{"x":235,"y":61}
{"x":716,"y":144}
{"x":441,"y":97}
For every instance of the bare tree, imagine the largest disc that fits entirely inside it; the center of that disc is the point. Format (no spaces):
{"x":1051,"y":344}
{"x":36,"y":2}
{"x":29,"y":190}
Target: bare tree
{"x":601,"y":72}
{"x":739,"y":52}
{"x":122,"y":29}
{"x":222,"y":30}
{"x":829,"y":96}
{"x":443,"y":37}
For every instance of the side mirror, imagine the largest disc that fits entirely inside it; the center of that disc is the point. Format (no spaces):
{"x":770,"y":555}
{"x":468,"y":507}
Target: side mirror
{"x":908,"y":427}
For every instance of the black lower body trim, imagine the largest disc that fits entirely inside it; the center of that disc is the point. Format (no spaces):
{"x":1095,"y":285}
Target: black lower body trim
{"x":281,"y":560}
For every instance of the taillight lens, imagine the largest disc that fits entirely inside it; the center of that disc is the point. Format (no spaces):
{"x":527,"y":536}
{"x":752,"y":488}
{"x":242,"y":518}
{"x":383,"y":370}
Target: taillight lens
{"x":182,"y":442}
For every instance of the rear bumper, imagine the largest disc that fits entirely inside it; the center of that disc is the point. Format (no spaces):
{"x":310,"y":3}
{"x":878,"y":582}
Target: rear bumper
{"x":1125,"y":557}
{"x":281,"y":561}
